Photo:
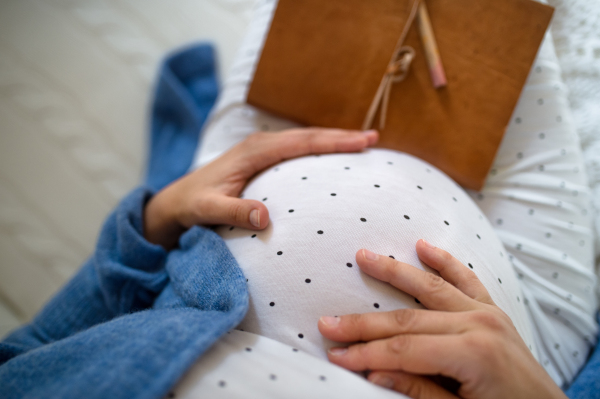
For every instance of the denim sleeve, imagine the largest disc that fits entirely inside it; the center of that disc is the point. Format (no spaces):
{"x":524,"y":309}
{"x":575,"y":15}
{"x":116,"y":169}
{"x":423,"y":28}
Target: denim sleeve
{"x":132,"y":321}
{"x":587,"y":383}
{"x":124,"y":275}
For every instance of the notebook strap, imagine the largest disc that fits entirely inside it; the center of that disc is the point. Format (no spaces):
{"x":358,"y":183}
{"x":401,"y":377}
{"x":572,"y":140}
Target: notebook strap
{"x":396,"y":72}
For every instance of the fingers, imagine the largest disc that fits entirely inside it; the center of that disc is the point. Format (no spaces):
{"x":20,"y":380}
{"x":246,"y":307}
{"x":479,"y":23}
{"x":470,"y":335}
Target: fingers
{"x":413,"y":353}
{"x":265,"y":149}
{"x":372,"y":326}
{"x":222,"y":209}
{"x":411,"y":385}
{"x":453,"y":271}
{"x":431,"y":290}
{"x":298,"y":142}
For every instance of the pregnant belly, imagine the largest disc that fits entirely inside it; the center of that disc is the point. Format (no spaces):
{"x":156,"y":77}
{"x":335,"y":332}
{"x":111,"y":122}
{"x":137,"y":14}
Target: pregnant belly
{"x":325,"y":208}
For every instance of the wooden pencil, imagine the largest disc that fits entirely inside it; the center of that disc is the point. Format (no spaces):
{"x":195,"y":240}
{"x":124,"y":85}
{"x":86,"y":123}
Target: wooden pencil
{"x":434,"y":62}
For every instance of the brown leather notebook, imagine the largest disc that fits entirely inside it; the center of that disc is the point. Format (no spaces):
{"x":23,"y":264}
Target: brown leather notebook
{"x":323,"y":61}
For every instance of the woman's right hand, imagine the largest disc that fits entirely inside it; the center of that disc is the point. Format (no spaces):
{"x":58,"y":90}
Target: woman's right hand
{"x":462,"y":335}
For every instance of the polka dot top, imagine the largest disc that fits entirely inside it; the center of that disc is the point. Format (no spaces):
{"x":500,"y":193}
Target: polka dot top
{"x":325,"y":208}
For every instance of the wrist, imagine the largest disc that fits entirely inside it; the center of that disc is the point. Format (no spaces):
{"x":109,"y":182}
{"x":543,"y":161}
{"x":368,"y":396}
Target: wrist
{"x":161,"y":225}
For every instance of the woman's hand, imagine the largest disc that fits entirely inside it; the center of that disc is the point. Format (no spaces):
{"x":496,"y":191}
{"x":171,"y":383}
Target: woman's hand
{"x":209,"y":195}
{"x":463,"y":335}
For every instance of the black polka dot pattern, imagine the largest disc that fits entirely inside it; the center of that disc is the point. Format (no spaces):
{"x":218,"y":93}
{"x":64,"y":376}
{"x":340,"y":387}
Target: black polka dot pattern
{"x":376,"y":305}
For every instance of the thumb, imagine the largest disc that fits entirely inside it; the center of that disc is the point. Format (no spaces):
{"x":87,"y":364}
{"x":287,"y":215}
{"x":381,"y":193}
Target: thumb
{"x":246,"y":213}
{"x":415,"y":386}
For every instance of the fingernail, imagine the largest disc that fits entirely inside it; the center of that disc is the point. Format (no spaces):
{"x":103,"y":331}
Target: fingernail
{"x":369,"y":131}
{"x":337,"y":351}
{"x":427,"y":244}
{"x":330,"y":321}
{"x":370,"y":255}
{"x":383,"y":381}
{"x":255,"y":218}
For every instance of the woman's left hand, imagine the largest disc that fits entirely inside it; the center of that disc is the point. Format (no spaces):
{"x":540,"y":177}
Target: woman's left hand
{"x":209,"y":195}
{"x":462,"y":335}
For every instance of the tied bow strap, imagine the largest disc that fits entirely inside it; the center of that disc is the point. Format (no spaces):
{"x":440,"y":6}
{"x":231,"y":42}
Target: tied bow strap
{"x":396,"y":71}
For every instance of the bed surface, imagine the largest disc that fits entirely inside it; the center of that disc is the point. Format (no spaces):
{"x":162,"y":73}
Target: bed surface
{"x":75,"y":84}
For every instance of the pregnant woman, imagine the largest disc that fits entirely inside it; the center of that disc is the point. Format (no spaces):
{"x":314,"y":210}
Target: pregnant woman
{"x":527,"y":235}
{"x":464,"y":335}
{"x":353,"y":248}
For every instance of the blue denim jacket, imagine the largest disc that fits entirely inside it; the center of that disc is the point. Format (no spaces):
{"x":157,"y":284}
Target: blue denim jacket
{"x":135,"y":317}
{"x":132,"y":320}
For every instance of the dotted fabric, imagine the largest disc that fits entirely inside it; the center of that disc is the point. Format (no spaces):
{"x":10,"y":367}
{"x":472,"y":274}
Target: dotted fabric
{"x":245,"y":365}
{"x":325,"y":208}
{"x":536,"y":222}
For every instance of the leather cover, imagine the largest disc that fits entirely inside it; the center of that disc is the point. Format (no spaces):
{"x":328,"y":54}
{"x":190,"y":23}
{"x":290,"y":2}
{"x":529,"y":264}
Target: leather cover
{"x":323,"y":61}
